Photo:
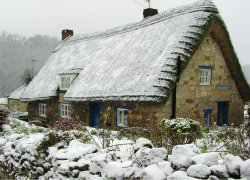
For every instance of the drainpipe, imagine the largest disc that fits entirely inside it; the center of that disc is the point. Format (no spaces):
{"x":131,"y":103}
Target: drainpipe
{"x":173,"y":116}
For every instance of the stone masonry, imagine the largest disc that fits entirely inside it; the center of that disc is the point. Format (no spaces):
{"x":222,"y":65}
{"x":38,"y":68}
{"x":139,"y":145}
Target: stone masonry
{"x":193,"y":98}
{"x":20,"y":106}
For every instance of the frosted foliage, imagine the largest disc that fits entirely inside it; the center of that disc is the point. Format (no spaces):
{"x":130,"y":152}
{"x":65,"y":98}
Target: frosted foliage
{"x":130,"y":62}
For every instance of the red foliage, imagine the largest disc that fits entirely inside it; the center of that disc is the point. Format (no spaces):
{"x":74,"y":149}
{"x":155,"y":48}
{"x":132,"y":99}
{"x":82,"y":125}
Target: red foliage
{"x":66,"y":124}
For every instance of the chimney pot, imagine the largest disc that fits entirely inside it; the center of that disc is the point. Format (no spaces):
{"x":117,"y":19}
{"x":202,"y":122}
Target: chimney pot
{"x":66,"y":33}
{"x":149,"y":12}
{"x":28,"y":79}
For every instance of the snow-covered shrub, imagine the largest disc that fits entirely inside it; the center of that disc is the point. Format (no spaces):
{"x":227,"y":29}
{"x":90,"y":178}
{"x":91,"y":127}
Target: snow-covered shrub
{"x":227,"y":138}
{"x":21,"y":127}
{"x":53,"y":137}
{"x":66,"y":124}
{"x":246,"y":115}
{"x":180,"y":131}
{"x":4,"y":112}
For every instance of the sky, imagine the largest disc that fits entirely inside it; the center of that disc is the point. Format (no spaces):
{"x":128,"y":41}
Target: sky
{"x":50,"y":17}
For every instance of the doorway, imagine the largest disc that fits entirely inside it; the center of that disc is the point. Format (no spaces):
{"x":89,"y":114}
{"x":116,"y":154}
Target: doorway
{"x":223,"y":108}
{"x":95,"y":114}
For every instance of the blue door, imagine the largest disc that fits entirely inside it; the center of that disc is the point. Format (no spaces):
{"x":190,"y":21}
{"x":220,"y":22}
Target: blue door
{"x":222,"y":113}
{"x":95,"y":114}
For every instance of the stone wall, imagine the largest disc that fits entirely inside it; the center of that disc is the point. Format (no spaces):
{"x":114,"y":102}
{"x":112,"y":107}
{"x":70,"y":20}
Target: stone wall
{"x":52,"y":111}
{"x":142,"y":114}
{"x":21,"y":106}
{"x":193,"y":98}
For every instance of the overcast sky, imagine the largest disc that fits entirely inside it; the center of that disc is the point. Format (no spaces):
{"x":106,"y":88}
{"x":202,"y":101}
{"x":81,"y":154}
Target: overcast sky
{"x":49,"y":17}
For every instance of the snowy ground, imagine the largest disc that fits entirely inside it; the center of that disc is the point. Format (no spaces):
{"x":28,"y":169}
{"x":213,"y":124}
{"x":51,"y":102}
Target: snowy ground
{"x":28,"y":151}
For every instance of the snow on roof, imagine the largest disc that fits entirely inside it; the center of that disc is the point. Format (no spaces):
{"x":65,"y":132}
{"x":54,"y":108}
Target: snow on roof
{"x":135,"y":62}
{"x":3,"y":101}
{"x":17,"y":93}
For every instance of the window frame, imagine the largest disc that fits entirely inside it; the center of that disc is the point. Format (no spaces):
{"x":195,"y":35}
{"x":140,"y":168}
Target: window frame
{"x":62,"y":84}
{"x":65,"y":113}
{"x":205,"y":75}
{"x":42,"y":109}
{"x":209,"y":113}
{"x":118,"y":121}
{"x":14,"y":107}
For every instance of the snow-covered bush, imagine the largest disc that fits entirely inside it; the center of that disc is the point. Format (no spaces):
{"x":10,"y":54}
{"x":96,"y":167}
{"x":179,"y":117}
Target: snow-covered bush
{"x":227,"y":139}
{"x":4,"y":112}
{"x":246,"y":115}
{"x":66,"y":124}
{"x":53,"y":137}
{"x":179,"y":131}
{"x":21,"y":127}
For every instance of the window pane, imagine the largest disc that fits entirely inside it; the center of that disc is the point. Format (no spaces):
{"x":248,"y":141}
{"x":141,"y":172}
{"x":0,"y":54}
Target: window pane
{"x":207,"y":116}
{"x":205,"y":76}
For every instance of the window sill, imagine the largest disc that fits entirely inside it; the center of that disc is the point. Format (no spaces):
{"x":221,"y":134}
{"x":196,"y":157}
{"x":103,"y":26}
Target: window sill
{"x":204,"y":84}
{"x":121,"y":126}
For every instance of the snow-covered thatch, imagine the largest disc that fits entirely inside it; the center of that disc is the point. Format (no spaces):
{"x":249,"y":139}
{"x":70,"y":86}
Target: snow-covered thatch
{"x":3,"y":101}
{"x":135,"y":62}
{"x":17,"y":93}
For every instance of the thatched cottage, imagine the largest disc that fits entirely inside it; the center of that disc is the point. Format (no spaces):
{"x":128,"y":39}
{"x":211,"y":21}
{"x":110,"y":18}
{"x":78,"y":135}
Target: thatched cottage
{"x":179,"y":63}
{"x":14,"y":103}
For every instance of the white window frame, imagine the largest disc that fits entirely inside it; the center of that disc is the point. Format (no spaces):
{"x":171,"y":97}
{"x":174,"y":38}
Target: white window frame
{"x":42,"y":110}
{"x":65,"y":85}
{"x":122,"y":117}
{"x":15,"y":107}
{"x":65,"y":111}
{"x":205,"y":76}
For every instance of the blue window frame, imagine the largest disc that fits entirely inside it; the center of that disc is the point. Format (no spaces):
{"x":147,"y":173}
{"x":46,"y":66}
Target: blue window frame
{"x":122,"y":116}
{"x":206,"y":67}
{"x":207,"y":116}
{"x":65,"y":110}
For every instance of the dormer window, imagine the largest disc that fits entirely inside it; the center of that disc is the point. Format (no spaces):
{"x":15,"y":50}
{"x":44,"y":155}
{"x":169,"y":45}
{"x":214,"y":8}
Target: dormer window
{"x":67,"y":77}
{"x":65,"y":82}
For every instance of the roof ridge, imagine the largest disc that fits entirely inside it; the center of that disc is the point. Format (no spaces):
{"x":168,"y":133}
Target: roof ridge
{"x":200,"y":5}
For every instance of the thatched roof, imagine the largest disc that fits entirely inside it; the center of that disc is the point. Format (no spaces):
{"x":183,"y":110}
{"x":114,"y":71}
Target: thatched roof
{"x":136,"y":62}
{"x":17,"y":93}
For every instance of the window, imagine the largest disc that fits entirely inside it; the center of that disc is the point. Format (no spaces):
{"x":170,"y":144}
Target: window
{"x":122,"y":117}
{"x":65,"y":82}
{"x":207,"y":116}
{"x":65,"y":110}
{"x":205,"y":76}
{"x":42,"y":110}
{"x":14,"y":107}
